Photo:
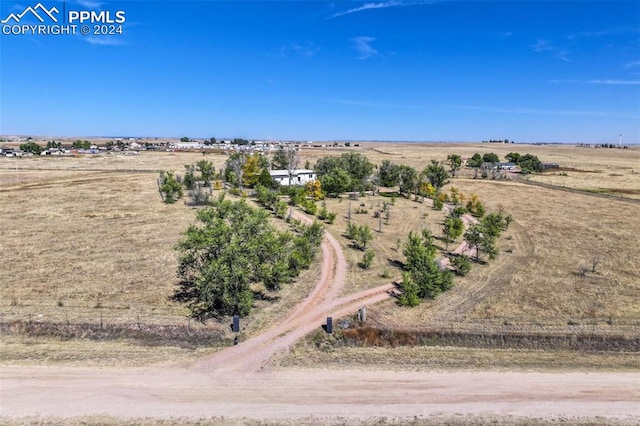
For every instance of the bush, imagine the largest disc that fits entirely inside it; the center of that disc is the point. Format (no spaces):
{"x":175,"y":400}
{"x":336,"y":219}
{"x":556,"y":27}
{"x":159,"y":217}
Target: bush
{"x":323,"y":213}
{"x":437,"y":204}
{"x":199,"y":196}
{"x":367,"y":259}
{"x":310,"y":207}
{"x":331,"y":217}
{"x":462,"y":265}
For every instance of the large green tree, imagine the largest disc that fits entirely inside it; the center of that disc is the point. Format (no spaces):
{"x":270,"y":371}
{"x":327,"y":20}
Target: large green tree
{"x":31,"y":147}
{"x":357,"y":167}
{"x":232,"y":247}
{"x":436,"y":174}
{"x":388,"y":174}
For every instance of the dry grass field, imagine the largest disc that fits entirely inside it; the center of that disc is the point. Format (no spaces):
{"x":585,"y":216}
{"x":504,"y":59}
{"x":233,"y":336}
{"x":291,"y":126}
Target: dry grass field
{"x":88,"y":240}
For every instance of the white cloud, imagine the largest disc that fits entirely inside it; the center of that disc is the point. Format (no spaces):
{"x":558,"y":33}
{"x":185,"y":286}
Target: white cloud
{"x":104,"y":41}
{"x":368,"y":6}
{"x":363,"y":45}
{"x":544,"y":46}
{"x":609,"y":82}
{"x":381,"y":5}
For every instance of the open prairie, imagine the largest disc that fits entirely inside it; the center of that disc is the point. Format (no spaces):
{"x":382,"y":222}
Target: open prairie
{"x":87,"y":240}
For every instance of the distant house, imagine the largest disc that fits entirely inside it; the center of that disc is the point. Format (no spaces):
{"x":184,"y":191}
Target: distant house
{"x":506,"y":166}
{"x":298,"y":177}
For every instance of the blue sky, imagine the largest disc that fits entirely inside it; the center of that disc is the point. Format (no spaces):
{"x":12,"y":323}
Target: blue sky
{"x":536,"y":71}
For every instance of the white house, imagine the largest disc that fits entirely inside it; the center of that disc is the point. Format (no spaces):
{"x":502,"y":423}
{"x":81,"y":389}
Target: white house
{"x":298,"y":177}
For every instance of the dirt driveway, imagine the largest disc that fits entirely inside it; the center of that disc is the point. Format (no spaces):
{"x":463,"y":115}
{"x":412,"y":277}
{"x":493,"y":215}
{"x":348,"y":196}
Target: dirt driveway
{"x":237,"y":381}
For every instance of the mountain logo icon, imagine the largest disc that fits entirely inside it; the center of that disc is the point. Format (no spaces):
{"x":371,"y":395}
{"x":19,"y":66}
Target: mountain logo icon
{"x":38,"y":11}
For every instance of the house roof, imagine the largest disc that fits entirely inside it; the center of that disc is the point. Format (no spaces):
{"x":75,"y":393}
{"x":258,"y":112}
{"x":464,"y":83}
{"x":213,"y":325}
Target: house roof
{"x":295,"y":172}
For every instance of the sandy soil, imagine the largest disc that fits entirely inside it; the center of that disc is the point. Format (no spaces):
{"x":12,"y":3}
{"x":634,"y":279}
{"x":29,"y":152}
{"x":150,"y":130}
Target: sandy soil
{"x":174,"y":391}
{"x":238,"y":381}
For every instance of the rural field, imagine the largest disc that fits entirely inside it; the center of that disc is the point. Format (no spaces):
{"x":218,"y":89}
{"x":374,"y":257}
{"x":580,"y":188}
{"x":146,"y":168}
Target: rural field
{"x":89,"y":268}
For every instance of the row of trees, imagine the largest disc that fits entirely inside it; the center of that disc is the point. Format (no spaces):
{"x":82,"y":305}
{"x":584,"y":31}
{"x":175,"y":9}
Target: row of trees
{"x":232,"y":247}
{"x":528,"y":163}
{"x":409,"y":181}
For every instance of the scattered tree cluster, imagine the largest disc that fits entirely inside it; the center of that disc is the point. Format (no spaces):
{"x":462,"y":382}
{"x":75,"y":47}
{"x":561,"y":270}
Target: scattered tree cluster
{"x":528,"y":163}
{"x":350,"y":171}
{"x":483,"y":236}
{"x":360,"y":234}
{"x":31,"y":147}
{"x":232,"y":248}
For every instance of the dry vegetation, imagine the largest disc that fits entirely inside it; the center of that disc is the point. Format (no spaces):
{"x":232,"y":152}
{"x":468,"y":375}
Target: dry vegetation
{"x":87,"y":240}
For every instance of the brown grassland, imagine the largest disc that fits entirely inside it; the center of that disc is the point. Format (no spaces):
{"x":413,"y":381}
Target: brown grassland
{"x":87,"y":240}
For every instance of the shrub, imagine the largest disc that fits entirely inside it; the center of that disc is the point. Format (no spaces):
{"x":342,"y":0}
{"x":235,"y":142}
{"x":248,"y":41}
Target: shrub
{"x":367,"y":259}
{"x":462,"y":265}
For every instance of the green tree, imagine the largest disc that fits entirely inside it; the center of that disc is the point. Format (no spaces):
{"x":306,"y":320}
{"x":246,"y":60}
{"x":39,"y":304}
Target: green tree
{"x":490,"y":157}
{"x":78,"y":144}
{"x":455,"y":163}
{"x":388,"y":174}
{"x":170,"y":188}
{"x":452,"y":229}
{"x":461,"y":264}
{"x":31,"y":147}
{"x":436,"y":174}
{"x":473,"y":236}
{"x":475,"y":160}
{"x":367,"y":259}
{"x":335,"y":182}
{"x":265,"y":179}
{"x":410,"y":290}
{"x":423,"y":268}
{"x":356,"y":166}
{"x":206,"y":170}
{"x":189,"y":180}
{"x":512,"y":157}
{"x":530,"y":163}
{"x":363,"y":236}
{"x":233,"y":246}
{"x":184,"y":139}
{"x":407,"y":179}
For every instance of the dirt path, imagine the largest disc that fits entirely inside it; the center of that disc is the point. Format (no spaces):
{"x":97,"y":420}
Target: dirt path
{"x":297,"y":394}
{"x":234,"y":382}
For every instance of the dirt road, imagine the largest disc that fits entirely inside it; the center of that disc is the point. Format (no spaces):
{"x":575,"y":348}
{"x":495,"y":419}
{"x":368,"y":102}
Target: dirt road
{"x":291,"y":394}
{"x":237,"y":381}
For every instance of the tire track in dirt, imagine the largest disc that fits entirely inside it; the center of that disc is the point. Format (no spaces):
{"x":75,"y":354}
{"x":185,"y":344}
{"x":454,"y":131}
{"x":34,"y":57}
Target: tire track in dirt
{"x":253,"y":354}
{"x":459,"y":302}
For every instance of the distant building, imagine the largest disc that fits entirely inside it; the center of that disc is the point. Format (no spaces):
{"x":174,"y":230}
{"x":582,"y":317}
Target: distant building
{"x":298,"y":177}
{"x":550,"y":166}
{"x":506,"y":166}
